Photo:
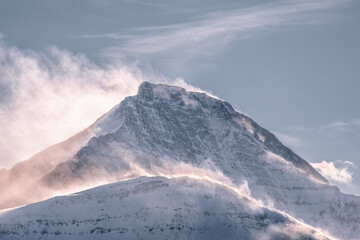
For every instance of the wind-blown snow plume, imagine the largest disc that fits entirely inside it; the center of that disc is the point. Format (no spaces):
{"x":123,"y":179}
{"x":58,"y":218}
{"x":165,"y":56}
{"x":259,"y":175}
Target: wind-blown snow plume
{"x":208,"y":175}
{"x":46,"y":97}
{"x":168,"y":168}
{"x":206,"y":172}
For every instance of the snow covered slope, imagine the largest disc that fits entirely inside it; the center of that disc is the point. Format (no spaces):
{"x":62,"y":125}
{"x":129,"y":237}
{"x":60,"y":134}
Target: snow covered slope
{"x":167,"y":131}
{"x":152,"y":208}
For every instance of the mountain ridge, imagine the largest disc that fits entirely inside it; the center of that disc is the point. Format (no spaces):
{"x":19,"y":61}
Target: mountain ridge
{"x":181,"y":208}
{"x":166,"y":130}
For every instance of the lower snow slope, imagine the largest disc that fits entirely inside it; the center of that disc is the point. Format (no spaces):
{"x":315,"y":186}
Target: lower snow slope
{"x":152,"y":208}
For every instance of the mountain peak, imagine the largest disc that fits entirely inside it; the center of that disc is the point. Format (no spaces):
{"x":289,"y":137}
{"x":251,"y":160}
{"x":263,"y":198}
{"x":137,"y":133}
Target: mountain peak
{"x":156,"y":103}
{"x":145,"y":89}
{"x":158,"y":91}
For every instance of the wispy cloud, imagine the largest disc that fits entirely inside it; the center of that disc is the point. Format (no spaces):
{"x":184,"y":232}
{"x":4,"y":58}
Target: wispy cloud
{"x":342,"y":126}
{"x":337,"y":171}
{"x":217,"y":29}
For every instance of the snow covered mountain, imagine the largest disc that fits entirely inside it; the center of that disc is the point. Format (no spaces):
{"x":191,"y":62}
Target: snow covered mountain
{"x":179,"y":208}
{"x":166,"y":131}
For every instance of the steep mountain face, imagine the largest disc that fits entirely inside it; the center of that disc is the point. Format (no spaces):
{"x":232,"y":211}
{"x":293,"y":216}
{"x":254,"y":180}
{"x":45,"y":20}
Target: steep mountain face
{"x":167,"y":131}
{"x":179,"y":208}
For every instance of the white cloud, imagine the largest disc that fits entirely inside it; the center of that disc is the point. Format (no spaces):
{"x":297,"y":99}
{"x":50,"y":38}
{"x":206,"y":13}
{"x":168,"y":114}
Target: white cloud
{"x":46,"y":97}
{"x":218,"y":28}
{"x":335,"y":171}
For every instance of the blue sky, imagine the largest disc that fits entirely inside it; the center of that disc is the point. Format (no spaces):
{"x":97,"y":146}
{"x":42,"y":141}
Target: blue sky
{"x":293,"y":66}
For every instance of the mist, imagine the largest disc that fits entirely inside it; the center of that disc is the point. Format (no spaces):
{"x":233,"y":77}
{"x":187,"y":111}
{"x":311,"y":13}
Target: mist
{"x":46,"y":97}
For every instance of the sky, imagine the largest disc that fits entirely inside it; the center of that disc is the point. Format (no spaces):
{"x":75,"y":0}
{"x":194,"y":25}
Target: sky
{"x":293,"y":66}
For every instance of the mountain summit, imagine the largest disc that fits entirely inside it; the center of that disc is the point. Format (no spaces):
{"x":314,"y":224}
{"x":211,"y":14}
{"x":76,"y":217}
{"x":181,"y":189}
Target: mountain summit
{"x":166,"y":131}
